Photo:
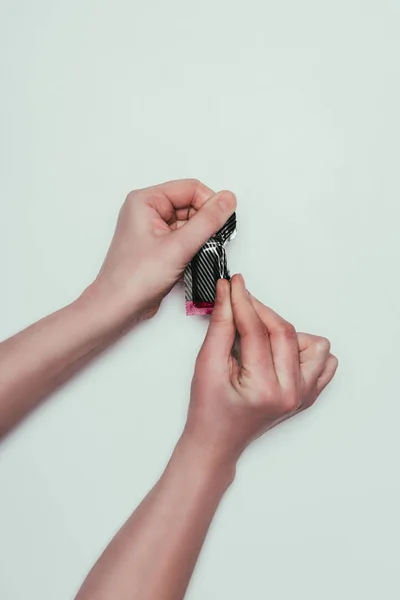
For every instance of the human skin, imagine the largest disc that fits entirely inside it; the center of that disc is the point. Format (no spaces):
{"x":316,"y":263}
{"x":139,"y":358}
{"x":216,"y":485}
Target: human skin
{"x":159,"y":230}
{"x":280,"y":373}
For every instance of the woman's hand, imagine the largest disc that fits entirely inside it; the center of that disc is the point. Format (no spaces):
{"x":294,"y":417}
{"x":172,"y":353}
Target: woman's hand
{"x":279,"y":373}
{"x":159,"y":230}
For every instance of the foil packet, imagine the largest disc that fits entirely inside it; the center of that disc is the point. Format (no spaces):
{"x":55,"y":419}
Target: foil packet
{"x":206,"y":267}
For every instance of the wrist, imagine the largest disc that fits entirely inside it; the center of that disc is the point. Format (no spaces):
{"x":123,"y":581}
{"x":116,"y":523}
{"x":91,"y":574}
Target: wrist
{"x":204,"y":463}
{"x":113,"y":310}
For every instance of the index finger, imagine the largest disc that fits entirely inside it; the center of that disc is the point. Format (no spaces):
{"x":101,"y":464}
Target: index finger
{"x":255,"y":348}
{"x":182,"y":193}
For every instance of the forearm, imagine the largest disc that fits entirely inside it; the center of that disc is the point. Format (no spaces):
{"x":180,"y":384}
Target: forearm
{"x":153,"y":555}
{"x":37,"y":360}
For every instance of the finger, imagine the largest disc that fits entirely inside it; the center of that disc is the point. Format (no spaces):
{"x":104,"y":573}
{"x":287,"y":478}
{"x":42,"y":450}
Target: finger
{"x":308,"y":341}
{"x":210,"y":217}
{"x":328,"y":373}
{"x":221,"y":330}
{"x":267,"y":315}
{"x":284,"y":344}
{"x":255,"y":346}
{"x":182,"y":193}
{"x":184,"y":214}
{"x":314,"y":352}
{"x":182,"y":197}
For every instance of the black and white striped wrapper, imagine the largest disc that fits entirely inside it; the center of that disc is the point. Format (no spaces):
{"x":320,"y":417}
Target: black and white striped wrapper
{"x":207,"y":266}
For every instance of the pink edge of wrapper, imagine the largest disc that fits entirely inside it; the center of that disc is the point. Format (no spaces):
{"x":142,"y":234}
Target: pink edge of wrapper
{"x":204,"y":308}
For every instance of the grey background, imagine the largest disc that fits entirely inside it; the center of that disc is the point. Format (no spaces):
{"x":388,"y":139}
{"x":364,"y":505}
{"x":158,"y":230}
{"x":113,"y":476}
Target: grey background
{"x":295,"y":107}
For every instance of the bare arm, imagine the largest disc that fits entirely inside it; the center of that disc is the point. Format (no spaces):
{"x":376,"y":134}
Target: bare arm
{"x":37,"y":360}
{"x":159,"y":230}
{"x":153,"y":555}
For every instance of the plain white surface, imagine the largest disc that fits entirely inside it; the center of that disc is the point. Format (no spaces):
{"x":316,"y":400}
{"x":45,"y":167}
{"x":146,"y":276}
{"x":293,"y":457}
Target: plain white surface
{"x":295,"y":107}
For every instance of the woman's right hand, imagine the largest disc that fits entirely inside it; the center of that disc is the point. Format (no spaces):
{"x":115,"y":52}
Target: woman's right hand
{"x":279,"y":373}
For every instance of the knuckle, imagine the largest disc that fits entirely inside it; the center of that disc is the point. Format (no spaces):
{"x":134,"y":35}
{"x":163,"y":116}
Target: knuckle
{"x":323,"y":345}
{"x":194,"y":181}
{"x":254,"y":330}
{"x":236,"y":303}
{"x":264,"y":393}
{"x":259,"y":328}
{"x":131,"y":199}
{"x":291,"y":402}
{"x":312,"y":400}
{"x":262,"y":336}
{"x":333,"y":363}
{"x":287,"y":330}
{"x":198,"y":189}
{"x":131,"y":196}
{"x":221,"y":319}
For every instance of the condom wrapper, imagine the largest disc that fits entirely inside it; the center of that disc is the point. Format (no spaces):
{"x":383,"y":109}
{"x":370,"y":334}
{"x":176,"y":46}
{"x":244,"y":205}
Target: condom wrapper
{"x":207,"y":266}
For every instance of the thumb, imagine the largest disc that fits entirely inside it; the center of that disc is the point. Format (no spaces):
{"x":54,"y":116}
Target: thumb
{"x":221,"y":330}
{"x":204,"y":224}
